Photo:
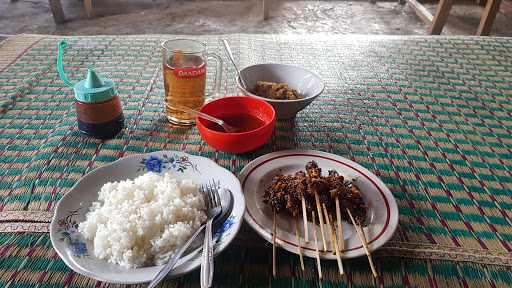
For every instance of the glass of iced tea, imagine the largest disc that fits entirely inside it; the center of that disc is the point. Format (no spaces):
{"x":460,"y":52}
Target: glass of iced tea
{"x":184,"y":66}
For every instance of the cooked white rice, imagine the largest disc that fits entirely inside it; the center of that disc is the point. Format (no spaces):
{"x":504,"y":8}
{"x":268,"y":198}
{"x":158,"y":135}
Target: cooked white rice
{"x":136,"y":221}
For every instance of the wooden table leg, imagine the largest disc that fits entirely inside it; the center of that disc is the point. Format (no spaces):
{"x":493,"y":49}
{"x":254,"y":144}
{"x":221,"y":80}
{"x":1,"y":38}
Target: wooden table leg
{"x":58,"y":13}
{"x":491,"y":9}
{"x":88,"y":7}
{"x":442,"y":12}
{"x":266,"y":9}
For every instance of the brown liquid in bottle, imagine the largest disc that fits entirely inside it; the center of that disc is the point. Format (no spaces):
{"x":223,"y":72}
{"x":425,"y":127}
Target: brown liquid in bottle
{"x":184,"y":80}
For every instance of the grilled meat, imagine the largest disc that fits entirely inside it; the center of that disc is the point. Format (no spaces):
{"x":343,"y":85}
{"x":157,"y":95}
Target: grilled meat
{"x":286,"y":191}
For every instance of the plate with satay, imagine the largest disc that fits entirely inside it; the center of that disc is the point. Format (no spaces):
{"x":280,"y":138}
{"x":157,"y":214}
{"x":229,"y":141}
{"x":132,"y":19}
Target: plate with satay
{"x":318,"y":204}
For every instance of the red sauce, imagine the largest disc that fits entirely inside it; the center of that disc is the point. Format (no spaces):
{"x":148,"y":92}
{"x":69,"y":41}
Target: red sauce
{"x":244,"y":122}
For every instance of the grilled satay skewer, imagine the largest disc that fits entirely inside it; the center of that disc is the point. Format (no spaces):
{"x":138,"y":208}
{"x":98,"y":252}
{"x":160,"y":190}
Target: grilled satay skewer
{"x":338,"y":253}
{"x":305,"y":219}
{"x":334,"y":241}
{"x":296,"y":190}
{"x":283,"y":195}
{"x":328,"y":224}
{"x":318,"y":265}
{"x":321,"y":221}
{"x":315,"y":186}
{"x":339,"y":228}
{"x":301,"y":189}
{"x":362,"y":237}
{"x":301,"y":258}
{"x":338,"y":187}
{"x":274,"y":229}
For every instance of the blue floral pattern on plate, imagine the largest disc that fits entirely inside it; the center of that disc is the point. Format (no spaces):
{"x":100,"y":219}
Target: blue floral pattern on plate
{"x":225,"y":226}
{"x":68,"y":231}
{"x":172,"y":162}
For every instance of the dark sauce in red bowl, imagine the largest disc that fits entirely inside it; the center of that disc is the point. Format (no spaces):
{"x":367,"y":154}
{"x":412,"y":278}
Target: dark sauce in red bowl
{"x":244,"y":122}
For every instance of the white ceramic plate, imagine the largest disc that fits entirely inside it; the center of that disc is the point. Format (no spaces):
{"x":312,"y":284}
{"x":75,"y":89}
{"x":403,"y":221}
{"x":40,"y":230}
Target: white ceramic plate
{"x":71,"y":209}
{"x":257,"y":175}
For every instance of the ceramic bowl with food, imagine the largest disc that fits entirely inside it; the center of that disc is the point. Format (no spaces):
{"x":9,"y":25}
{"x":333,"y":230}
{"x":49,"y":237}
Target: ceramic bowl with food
{"x":307,"y":84}
{"x":255,"y":119}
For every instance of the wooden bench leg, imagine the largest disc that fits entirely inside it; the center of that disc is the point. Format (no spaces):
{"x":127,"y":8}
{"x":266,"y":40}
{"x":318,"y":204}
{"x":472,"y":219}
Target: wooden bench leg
{"x":58,"y":13}
{"x":491,"y":9}
{"x":88,"y":7}
{"x":421,"y":11}
{"x":442,"y":12}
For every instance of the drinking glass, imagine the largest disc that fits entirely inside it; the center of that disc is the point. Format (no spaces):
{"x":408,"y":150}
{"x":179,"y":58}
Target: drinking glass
{"x":184,"y":68}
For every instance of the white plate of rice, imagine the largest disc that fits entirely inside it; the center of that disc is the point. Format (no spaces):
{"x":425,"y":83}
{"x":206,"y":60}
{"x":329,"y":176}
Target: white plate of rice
{"x":119,"y":221}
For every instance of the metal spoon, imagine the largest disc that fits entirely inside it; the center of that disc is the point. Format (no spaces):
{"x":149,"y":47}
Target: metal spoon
{"x":228,"y":128}
{"x":230,"y":56}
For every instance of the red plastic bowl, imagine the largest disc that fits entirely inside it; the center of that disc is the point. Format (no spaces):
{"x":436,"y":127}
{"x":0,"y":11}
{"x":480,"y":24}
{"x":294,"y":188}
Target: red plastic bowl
{"x":237,"y":142}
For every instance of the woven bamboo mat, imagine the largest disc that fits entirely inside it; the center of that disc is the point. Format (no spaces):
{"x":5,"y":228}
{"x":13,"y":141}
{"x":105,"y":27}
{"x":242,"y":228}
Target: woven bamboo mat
{"x":431,"y":116}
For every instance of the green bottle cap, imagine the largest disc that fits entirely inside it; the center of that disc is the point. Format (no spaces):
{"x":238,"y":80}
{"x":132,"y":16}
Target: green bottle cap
{"x":94,"y":89}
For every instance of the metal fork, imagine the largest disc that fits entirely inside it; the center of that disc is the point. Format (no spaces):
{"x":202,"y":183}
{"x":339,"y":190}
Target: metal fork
{"x":213,"y":209}
{"x":174,"y":259}
{"x":209,"y":191}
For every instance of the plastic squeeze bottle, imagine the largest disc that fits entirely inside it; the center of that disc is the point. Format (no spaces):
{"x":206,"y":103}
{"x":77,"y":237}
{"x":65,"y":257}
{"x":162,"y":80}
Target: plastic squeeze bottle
{"x":98,"y":107}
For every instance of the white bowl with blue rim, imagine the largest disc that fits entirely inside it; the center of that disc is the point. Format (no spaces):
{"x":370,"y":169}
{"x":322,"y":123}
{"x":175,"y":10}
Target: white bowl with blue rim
{"x":78,"y":253}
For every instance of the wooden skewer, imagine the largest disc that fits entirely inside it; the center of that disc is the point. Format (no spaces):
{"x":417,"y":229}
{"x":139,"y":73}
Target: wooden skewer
{"x":298,"y":242}
{"x":338,"y":254}
{"x":305,"y":220}
{"x":362,"y":237}
{"x":328,"y":223}
{"x":320,"y":220}
{"x":318,"y":266}
{"x":274,"y":229}
{"x":341,"y":239}
{"x":334,"y":241}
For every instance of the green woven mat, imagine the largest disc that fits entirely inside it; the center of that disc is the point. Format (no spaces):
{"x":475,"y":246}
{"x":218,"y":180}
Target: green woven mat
{"x":431,"y":116}
{"x":28,"y":260}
